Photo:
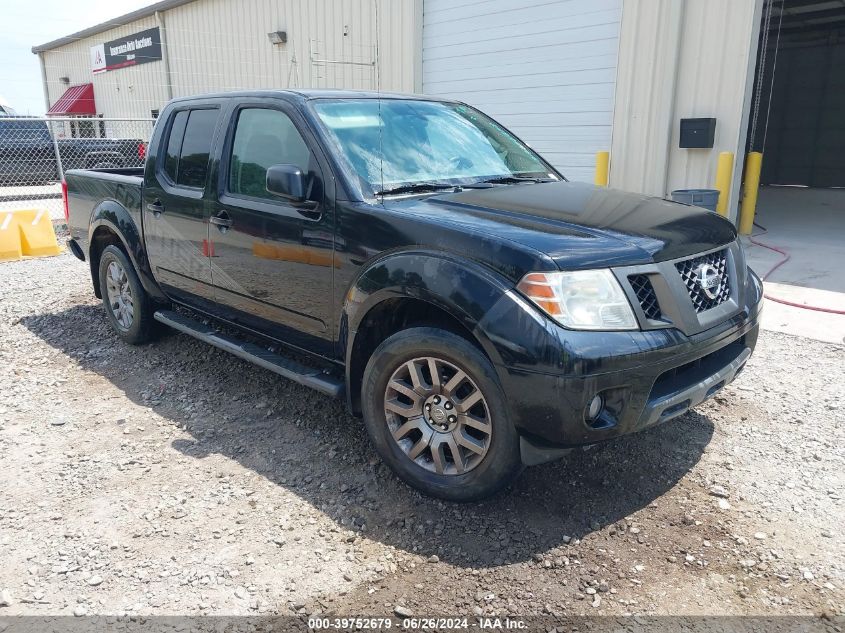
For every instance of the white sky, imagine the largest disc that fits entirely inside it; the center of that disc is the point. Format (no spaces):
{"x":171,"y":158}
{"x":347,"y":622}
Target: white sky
{"x":27,"y":23}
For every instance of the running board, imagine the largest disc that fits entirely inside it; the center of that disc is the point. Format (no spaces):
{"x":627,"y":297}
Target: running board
{"x":290,"y":369}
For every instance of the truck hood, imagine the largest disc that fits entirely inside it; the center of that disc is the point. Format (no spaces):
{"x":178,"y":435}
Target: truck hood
{"x":581,"y":226}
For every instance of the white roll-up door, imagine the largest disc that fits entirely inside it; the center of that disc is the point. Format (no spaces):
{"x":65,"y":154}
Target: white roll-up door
{"x":545,"y":69}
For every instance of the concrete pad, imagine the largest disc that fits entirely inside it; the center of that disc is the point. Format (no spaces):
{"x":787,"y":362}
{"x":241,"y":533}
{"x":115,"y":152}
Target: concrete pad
{"x":808,"y":225}
{"x":821,"y":326}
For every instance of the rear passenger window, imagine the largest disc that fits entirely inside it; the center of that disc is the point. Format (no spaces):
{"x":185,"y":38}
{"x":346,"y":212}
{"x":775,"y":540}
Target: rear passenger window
{"x":193,"y":159}
{"x":186,"y":160}
{"x":264,"y":138}
{"x":174,"y":144}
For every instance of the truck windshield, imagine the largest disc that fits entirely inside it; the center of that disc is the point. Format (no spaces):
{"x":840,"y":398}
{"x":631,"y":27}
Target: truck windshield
{"x":394,"y":143}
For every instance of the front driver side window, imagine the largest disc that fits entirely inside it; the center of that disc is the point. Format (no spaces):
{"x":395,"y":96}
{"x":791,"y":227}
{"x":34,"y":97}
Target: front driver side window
{"x":264,"y":138}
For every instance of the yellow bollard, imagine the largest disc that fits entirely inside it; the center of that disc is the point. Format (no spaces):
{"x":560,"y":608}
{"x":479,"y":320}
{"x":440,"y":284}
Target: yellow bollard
{"x":753,"y":165}
{"x":10,"y":239}
{"x":724,"y":171}
{"x":602,"y":168}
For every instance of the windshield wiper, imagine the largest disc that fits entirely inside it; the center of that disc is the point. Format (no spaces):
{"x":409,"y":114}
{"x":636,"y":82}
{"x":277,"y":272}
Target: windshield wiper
{"x":505,"y":180}
{"x":417,"y":187}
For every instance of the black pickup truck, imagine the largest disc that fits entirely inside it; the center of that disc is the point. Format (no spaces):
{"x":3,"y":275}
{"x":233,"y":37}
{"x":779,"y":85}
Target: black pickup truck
{"x":480,"y":312}
{"x":28,"y":155}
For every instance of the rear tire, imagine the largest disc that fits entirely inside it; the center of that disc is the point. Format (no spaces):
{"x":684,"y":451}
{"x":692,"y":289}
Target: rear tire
{"x":128,"y":306}
{"x":449,"y":436}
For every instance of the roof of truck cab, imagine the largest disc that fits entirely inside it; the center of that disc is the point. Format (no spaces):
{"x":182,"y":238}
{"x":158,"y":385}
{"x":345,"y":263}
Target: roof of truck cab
{"x":306,"y":95}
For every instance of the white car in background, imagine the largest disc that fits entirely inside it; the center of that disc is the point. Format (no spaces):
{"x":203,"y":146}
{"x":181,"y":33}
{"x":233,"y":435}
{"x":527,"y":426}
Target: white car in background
{"x":6,"y":109}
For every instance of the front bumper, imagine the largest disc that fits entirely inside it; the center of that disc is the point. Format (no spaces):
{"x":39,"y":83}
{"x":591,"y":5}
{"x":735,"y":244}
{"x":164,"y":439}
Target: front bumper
{"x":645,"y":377}
{"x":662,"y":407}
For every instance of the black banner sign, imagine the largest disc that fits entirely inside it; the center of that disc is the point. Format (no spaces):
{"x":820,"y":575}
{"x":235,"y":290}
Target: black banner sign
{"x":131,"y":50}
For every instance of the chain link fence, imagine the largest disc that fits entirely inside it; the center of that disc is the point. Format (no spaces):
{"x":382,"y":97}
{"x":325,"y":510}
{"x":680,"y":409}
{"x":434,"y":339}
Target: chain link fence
{"x":35,"y":153}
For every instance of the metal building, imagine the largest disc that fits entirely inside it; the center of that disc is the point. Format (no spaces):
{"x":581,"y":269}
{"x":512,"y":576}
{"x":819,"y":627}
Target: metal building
{"x":136,"y":63}
{"x":571,"y":77}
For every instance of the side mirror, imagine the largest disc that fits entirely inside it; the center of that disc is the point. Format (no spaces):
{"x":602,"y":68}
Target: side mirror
{"x":286,"y":181}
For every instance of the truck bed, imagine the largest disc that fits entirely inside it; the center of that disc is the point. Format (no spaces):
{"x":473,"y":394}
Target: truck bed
{"x":114,"y":171}
{"x":117,"y":190}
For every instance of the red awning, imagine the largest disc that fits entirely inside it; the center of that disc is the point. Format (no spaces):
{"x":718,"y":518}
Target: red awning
{"x":75,"y":100}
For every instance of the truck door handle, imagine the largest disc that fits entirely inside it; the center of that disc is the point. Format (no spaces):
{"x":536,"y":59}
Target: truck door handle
{"x":222,"y":221}
{"x":156,"y":208}
{"x":309,"y":209}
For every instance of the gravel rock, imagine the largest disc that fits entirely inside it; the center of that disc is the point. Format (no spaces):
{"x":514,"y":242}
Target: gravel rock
{"x":195,"y":483}
{"x":719,"y":491}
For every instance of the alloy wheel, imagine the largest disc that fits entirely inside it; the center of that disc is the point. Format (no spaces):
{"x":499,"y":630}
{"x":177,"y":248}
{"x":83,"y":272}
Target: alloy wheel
{"x":119,"y":295}
{"x":438,"y":416}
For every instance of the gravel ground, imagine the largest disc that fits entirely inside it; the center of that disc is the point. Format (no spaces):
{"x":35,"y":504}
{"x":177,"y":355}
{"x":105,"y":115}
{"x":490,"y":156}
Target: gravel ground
{"x":176,"y":479}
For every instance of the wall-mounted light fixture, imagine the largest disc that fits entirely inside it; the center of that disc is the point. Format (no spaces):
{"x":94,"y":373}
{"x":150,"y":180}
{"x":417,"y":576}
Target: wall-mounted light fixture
{"x":278,"y":37}
{"x":64,"y":80}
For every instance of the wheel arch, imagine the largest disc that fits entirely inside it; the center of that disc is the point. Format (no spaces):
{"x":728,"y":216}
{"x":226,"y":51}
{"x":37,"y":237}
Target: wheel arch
{"x":409,"y":289}
{"x":111,"y":223}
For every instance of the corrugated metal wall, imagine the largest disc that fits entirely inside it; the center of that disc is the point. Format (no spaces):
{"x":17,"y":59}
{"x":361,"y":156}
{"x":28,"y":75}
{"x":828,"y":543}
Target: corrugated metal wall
{"x":216,"y":45}
{"x":544,"y":69}
{"x":679,"y":59}
{"x":222,"y":44}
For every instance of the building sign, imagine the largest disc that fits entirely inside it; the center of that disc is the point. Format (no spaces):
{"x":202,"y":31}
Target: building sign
{"x":132,"y":50}
{"x":98,"y":58}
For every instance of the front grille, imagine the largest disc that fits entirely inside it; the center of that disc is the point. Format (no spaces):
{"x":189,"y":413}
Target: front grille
{"x":689,"y":270}
{"x":646,"y":296}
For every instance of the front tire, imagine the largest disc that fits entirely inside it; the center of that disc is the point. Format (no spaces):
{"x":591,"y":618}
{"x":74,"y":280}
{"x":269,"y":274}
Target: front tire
{"x":437,"y":415}
{"x":128,"y":306}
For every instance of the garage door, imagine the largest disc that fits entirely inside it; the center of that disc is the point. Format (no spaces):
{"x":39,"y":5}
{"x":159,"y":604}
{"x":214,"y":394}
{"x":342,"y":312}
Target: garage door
{"x":545,"y":69}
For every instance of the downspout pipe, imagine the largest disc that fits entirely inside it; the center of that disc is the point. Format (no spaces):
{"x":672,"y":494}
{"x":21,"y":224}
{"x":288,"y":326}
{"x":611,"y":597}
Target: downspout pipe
{"x":419,"y":19}
{"x":165,"y":54}
{"x":52,"y":131}
{"x":674,"y":96}
{"x":44,"y":82}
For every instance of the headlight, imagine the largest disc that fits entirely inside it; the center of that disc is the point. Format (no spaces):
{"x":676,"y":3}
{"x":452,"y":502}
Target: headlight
{"x":580,"y":299}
